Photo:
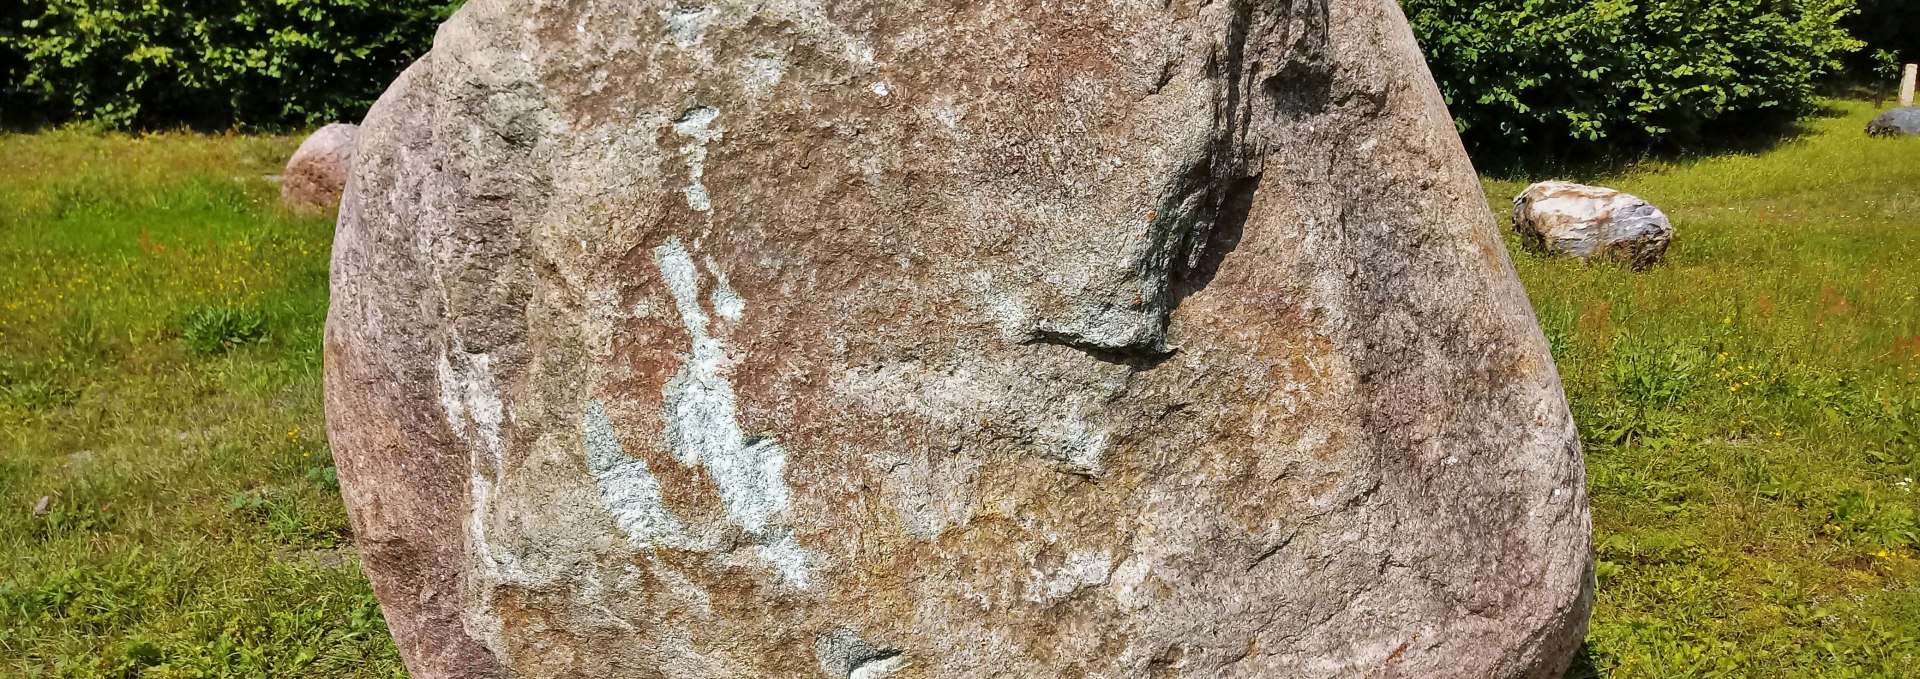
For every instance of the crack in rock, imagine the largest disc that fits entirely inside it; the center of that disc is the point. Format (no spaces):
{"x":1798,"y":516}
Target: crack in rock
{"x":842,"y":653}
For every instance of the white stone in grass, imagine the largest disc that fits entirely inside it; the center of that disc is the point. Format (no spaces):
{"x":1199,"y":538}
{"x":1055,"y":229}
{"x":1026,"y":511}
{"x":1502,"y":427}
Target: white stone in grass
{"x":1591,"y":223}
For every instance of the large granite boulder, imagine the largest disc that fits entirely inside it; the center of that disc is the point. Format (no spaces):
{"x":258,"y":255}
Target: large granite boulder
{"x":1591,"y":223}
{"x":933,"y":339}
{"x":1903,"y":121}
{"x":317,"y":173}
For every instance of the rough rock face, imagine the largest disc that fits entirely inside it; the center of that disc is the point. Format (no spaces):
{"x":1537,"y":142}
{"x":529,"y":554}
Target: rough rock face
{"x":915,"y":338}
{"x":1591,"y":223}
{"x":1896,"y":122}
{"x":317,"y":172}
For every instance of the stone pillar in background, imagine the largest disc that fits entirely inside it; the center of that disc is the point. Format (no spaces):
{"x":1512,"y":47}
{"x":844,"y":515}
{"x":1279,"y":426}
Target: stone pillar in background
{"x":1907,"y":80}
{"x":928,"y":339}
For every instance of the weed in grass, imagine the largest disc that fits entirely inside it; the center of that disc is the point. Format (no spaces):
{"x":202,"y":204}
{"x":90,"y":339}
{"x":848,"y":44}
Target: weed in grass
{"x":210,"y":332}
{"x":38,"y":395}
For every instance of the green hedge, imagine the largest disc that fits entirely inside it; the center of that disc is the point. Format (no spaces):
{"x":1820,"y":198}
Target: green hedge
{"x":1531,"y":79}
{"x":212,"y":64}
{"x":1526,"y":78}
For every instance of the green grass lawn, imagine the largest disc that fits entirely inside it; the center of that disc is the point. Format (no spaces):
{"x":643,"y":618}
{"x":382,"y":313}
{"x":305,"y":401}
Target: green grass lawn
{"x":160,"y":385}
{"x":1751,"y":410}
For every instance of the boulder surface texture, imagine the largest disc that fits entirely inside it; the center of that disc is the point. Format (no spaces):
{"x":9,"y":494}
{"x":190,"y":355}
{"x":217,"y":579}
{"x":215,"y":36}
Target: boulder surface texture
{"x":1904,"y":121}
{"x":1591,"y":223}
{"x":922,"y":339}
{"x":317,"y":173}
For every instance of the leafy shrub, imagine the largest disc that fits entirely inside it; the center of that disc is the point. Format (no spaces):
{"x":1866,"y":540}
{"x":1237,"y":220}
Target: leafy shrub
{"x":206,"y":63}
{"x":1533,"y":79}
{"x":214,"y":331}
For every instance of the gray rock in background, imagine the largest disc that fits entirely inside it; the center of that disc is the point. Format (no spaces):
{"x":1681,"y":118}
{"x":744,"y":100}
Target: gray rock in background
{"x":919,"y":339}
{"x":317,"y":173}
{"x":1903,"y":121}
{"x":1591,"y":223}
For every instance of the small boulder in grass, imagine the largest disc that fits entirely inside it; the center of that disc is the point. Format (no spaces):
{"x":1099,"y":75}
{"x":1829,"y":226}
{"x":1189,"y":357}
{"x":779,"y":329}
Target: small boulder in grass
{"x":317,"y":174}
{"x":1591,"y":223}
{"x":1899,"y":122}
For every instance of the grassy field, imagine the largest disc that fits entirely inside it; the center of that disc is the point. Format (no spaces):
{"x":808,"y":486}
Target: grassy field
{"x":1752,"y":415}
{"x":160,"y":385}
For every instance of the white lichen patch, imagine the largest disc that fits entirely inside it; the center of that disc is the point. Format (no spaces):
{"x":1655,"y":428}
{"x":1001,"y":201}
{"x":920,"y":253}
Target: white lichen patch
{"x":877,"y":669}
{"x":727,"y":303}
{"x":1083,"y":569}
{"x":471,"y":402}
{"x":474,"y":412}
{"x":627,"y":486}
{"x":1080,"y":445}
{"x":696,"y":124}
{"x":762,"y":73}
{"x":703,"y":426}
{"x":786,"y":557}
{"x":687,"y":25}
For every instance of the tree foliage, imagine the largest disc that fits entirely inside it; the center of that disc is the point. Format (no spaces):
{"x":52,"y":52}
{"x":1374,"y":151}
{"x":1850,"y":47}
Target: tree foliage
{"x":1552,"y":78}
{"x":212,"y":64}
{"x":1541,"y":78}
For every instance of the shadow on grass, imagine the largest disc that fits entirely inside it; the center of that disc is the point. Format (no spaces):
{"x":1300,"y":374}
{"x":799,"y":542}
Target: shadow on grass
{"x":1584,"y":666}
{"x":1587,"y":163}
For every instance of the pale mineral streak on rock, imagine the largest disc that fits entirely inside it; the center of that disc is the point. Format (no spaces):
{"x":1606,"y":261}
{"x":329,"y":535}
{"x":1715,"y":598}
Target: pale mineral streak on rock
{"x":472,"y":402}
{"x":878,"y":668}
{"x":627,"y":487}
{"x":727,"y":303}
{"x":472,"y":407}
{"x":702,"y":418}
{"x":793,"y":562}
{"x":762,"y":74}
{"x":696,"y":124}
{"x":687,"y":25}
{"x":703,"y":426}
